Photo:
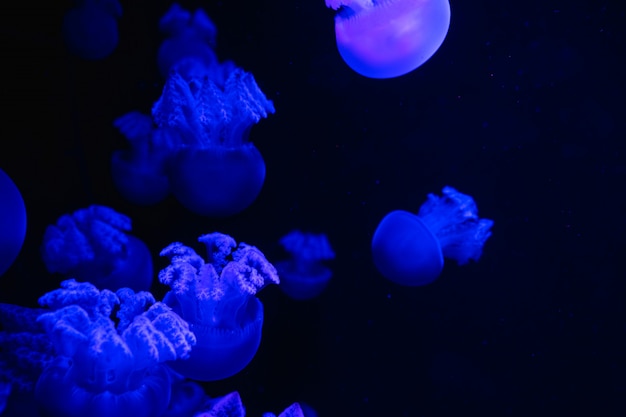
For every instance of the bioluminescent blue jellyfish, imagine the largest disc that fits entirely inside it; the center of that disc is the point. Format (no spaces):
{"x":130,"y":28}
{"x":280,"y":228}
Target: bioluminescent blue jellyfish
{"x":90,"y":28}
{"x":409,"y":249}
{"x":104,"y":366}
{"x":230,"y":405}
{"x":305,"y":275}
{"x":139,"y":173}
{"x":12,"y":222}
{"x":189,"y":48}
{"x":216,"y":171}
{"x":93,"y":245}
{"x":389,"y":38}
{"x":217,"y":299}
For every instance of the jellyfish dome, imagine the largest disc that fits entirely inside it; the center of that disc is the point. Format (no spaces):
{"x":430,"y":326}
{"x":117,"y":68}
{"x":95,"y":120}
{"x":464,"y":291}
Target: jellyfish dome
{"x":305,"y":275}
{"x":216,"y":171}
{"x":409,"y":249}
{"x":12,"y":222}
{"x":93,"y":245}
{"x":217,"y":299}
{"x":389,"y":38}
{"x":90,"y":29}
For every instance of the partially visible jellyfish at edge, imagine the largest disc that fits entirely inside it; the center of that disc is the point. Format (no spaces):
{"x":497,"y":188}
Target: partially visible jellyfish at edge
{"x":217,"y":299}
{"x":92,"y":244}
{"x":12,"y":221}
{"x":90,"y":29}
{"x":389,"y":38}
{"x":305,"y":275}
{"x":409,"y":249}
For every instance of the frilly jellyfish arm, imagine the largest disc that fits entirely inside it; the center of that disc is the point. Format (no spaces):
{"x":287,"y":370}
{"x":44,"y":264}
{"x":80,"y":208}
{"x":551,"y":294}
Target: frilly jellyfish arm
{"x":90,"y":30}
{"x":294,"y":410}
{"x":453,"y":219}
{"x":103,"y":369}
{"x":217,"y":299}
{"x":12,"y":221}
{"x":389,"y":38}
{"x":409,"y":249}
{"x":229,"y":405}
{"x":92,"y":245}
{"x":305,"y":276}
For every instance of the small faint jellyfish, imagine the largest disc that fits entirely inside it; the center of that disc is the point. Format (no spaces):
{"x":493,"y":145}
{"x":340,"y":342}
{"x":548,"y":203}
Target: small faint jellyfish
{"x":305,"y":275}
{"x":409,"y":249}
{"x":12,"y":222}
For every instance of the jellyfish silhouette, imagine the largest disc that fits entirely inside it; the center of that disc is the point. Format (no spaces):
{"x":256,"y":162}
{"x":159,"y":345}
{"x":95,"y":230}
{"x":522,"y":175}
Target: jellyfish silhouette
{"x":105,"y":367}
{"x":305,"y":276}
{"x":409,"y":249}
{"x":12,"y":222}
{"x":189,"y":48}
{"x":216,"y":171}
{"x":218,"y":301}
{"x":389,"y":38}
{"x":92,"y":245}
{"x":90,"y":29}
{"x":139,"y":173}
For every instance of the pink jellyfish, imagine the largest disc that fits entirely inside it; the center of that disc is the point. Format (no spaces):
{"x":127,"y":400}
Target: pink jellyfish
{"x":389,"y":38}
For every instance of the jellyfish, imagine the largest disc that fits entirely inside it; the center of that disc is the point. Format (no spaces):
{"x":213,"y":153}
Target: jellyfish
{"x":93,"y":245}
{"x":190,"y":45}
{"x":12,"y":222}
{"x":90,"y":29}
{"x":389,"y":38}
{"x":217,"y":299}
{"x":105,"y":366}
{"x":216,"y":171}
{"x":305,"y":276}
{"x":139,"y":174}
{"x":409,"y":249}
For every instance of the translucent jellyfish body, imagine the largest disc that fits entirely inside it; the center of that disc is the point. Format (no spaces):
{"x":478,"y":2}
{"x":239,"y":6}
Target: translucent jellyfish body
{"x":12,"y":222}
{"x":139,"y":173}
{"x":216,"y":171}
{"x":90,"y":29}
{"x":409,"y":249}
{"x":388,"y":38}
{"x":93,"y":245}
{"x":217,"y":299}
{"x":305,"y":275}
{"x":106,"y":367}
{"x":189,"y":44}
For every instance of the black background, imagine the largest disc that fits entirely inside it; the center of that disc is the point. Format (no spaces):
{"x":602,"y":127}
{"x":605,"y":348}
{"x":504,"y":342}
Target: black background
{"x":521,"y":108}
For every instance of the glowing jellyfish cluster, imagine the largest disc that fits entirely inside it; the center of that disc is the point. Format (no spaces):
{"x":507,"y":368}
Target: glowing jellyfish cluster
{"x":93,"y":244}
{"x":409,"y":249}
{"x":217,"y":299}
{"x":12,"y":221}
{"x":388,"y":38}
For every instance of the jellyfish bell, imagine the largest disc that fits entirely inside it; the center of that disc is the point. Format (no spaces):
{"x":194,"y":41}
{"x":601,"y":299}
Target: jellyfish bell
{"x":218,"y":181}
{"x":12,"y":222}
{"x":389,"y":38}
{"x":405,"y":251}
{"x":90,"y":30}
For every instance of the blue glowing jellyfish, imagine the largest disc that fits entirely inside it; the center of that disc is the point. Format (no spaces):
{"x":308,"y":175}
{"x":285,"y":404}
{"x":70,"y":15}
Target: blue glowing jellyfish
{"x":217,"y":299}
{"x":409,"y":249}
{"x":12,"y":222}
{"x":388,"y":38}
{"x":90,"y":29}
{"x":92,"y":245}
{"x":216,"y":171}
{"x":189,"y":48}
{"x":106,"y":367}
{"x":305,"y":276}
{"x":139,"y":173}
